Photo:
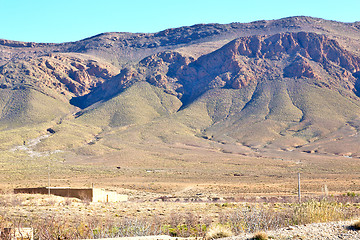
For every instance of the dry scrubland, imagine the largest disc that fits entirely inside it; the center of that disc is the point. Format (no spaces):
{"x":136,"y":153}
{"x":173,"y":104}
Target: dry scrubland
{"x":59,"y":218}
{"x":178,"y":116}
{"x":183,"y":171}
{"x":176,"y":189}
{"x":187,"y":194}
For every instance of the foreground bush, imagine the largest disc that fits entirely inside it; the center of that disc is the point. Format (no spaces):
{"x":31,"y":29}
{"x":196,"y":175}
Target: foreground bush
{"x":319,"y":211}
{"x":260,"y":236}
{"x":356,"y":225}
{"x":218,"y":231}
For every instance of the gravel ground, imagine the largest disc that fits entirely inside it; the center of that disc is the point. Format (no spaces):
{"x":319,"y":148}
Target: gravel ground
{"x":328,"y":231}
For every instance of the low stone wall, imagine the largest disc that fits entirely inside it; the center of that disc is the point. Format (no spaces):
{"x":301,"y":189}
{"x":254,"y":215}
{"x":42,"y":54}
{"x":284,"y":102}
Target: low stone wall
{"x":83,"y":194}
{"x":87,"y":194}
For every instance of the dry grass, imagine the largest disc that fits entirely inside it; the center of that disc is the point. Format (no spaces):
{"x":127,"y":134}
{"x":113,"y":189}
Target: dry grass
{"x":356,"y":225}
{"x":260,"y":236}
{"x":218,"y":231}
{"x":319,"y":211}
{"x":56,"y":217}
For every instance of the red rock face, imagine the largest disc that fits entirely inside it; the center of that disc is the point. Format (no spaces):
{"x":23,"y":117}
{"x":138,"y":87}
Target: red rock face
{"x":68,"y":75}
{"x":314,"y":47}
{"x":256,"y":58}
{"x":300,"y":68}
{"x":242,"y":62}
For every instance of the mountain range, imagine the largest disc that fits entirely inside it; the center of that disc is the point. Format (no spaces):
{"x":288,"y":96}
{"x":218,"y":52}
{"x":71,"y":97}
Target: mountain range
{"x":265,"y":87}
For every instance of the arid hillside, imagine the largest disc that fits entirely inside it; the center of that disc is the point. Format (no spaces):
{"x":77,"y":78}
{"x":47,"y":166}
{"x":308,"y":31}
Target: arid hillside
{"x":182,"y":101}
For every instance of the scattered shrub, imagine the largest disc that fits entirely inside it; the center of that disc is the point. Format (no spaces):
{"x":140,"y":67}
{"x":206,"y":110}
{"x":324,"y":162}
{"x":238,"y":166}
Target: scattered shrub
{"x":318,"y":211}
{"x":218,"y":231}
{"x":351,"y":194}
{"x":356,"y":225}
{"x":234,"y":220}
{"x":260,"y":236}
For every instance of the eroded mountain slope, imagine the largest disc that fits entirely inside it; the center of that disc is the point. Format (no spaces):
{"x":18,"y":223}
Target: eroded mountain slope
{"x":243,"y":88}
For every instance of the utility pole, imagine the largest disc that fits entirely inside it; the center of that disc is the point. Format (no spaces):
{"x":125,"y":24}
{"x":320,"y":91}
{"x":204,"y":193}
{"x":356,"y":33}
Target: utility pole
{"x":299,"y":188}
{"x":49,"y":177}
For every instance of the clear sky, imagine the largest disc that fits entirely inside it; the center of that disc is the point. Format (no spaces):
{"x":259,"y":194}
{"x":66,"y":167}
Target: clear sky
{"x":71,"y":20}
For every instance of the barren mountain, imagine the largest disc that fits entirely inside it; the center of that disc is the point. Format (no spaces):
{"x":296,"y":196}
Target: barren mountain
{"x":288,"y":85}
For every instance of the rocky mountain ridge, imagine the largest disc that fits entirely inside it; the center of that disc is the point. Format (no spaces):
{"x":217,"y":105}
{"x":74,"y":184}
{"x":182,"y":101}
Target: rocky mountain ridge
{"x":135,"y":46}
{"x":290,"y":84}
{"x":239,"y":63}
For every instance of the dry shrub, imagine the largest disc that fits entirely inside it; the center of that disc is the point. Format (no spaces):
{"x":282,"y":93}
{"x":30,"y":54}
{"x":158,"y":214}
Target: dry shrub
{"x":218,"y":231}
{"x":319,"y":211}
{"x":67,"y":202}
{"x":185,"y":225}
{"x":10,"y":200}
{"x":356,"y":225}
{"x":235,"y":220}
{"x":260,"y":236}
{"x":255,"y":218}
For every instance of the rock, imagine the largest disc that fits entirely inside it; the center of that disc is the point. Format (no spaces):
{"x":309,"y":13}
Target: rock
{"x":68,"y":75}
{"x":50,"y":130}
{"x":300,"y":68}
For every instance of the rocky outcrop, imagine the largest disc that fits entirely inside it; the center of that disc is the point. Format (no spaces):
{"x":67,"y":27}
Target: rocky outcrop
{"x":300,"y":68}
{"x":18,"y":44}
{"x":312,"y":46}
{"x":244,"y":61}
{"x":67,"y":74}
{"x":251,"y":59}
{"x":159,"y":69}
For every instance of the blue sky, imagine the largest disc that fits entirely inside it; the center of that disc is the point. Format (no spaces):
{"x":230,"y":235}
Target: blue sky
{"x":71,"y":20}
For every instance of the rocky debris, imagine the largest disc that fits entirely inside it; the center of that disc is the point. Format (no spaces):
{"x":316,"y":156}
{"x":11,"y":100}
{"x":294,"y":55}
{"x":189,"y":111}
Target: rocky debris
{"x":329,"y":231}
{"x":30,"y":145}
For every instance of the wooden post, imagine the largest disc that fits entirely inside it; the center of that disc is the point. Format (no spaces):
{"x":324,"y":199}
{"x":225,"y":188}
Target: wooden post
{"x":299,"y":188}
{"x":326,"y":191}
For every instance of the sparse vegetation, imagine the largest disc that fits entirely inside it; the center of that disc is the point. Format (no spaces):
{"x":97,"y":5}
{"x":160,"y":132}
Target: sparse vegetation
{"x":319,"y":211}
{"x":218,"y":231}
{"x":55,"y":217}
{"x":221,"y":137}
{"x":261,"y":236}
{"x":356,"y":225}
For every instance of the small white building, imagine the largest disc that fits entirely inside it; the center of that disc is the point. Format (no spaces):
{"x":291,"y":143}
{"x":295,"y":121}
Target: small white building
{"x":101,"y":195}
